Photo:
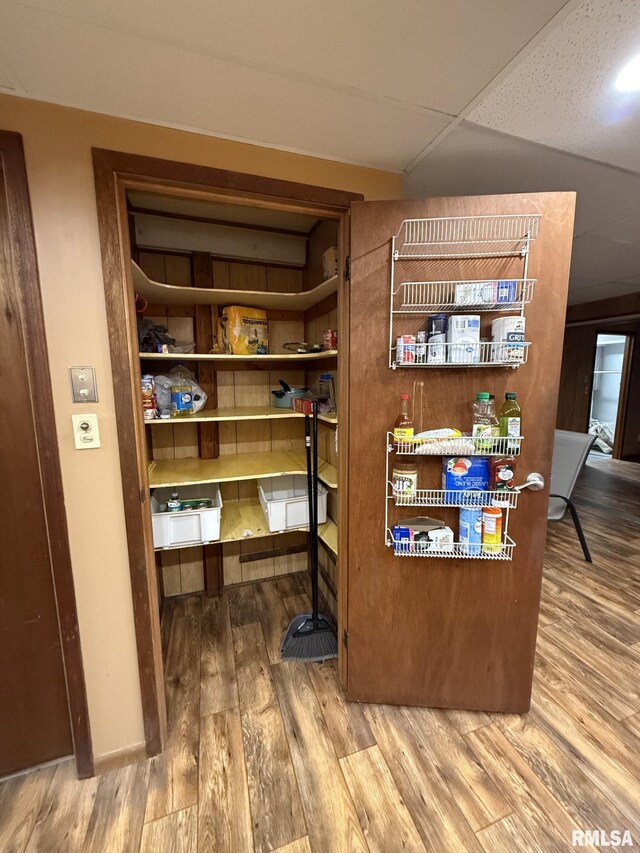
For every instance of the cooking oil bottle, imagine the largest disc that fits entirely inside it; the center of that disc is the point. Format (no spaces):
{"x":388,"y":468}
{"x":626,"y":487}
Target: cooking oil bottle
{"x":181,"y":393}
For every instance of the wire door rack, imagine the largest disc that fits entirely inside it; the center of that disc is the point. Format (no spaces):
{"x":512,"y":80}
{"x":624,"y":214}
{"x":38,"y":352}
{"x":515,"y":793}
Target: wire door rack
{"x":462,"y":237}
{"x":506,"y":500}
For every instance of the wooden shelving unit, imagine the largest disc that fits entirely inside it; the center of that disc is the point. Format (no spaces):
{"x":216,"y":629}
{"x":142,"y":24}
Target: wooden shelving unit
{"x":290,"y":358}
{"x":242,"y":413}
{"x":234,"y":467}
{"x":170,"y":294}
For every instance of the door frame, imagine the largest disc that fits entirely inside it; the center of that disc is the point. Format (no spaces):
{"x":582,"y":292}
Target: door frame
{"x":115,"y":172}
{"x":625,"y":378}
{"x":33,"y":327}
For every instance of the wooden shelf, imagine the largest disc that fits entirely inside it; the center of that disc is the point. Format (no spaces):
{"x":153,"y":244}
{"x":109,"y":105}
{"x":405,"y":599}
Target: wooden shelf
{"x":170,"y":294}
{"x":244,"y":413}
{"x":241,"y":466}
{"x":248,"y":515}
{"x":328,"y":532}
{"x":266,"y":359}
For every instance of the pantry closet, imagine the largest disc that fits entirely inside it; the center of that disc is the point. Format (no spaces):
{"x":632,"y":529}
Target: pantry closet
{"x":442,"y":628}
{"x":186,"y":267}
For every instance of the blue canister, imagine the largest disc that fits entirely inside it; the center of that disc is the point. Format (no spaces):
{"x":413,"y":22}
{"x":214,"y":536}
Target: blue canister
{"x":470,"y":530}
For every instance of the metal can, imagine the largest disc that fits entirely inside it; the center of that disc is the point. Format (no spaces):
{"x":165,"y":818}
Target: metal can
{"x":330,"y":339}
{"x":149,"y":401}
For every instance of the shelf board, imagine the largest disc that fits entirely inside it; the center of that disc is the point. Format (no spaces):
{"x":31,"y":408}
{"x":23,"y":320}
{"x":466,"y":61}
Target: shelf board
{"x":247,"y":515}
{"x":241,"y":466}
{"x":170,"y":294}
{"x":268,"y":359}
{"x":328,"y":532}
{"x":243,"y":413}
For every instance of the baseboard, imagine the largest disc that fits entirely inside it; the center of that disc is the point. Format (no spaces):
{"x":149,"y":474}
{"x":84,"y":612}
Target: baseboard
{"x":120,"y":758}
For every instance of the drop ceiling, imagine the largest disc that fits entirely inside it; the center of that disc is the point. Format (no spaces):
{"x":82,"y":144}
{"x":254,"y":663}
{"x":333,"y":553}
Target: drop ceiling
{"x":461,"y":96}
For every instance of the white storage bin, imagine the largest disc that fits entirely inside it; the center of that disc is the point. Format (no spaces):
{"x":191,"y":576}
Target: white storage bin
{"x":285,"y":503}
{"x":188,"y":526}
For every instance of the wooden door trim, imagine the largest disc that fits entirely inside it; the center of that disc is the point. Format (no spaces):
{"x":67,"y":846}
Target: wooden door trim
{"x":24,"y":249}
{"x":114,"y":172}
{"x":623,"y":400}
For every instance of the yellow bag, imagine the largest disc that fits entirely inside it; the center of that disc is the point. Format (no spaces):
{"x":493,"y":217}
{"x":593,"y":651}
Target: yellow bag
{"x":243,"y":331}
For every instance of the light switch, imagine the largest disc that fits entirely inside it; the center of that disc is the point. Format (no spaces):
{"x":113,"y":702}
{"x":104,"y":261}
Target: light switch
{"x":83,"y":384}
{"x":85,"y":431}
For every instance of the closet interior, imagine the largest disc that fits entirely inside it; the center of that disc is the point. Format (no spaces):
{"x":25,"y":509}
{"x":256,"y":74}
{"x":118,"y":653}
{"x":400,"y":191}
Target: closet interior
{"x":191,"y":260}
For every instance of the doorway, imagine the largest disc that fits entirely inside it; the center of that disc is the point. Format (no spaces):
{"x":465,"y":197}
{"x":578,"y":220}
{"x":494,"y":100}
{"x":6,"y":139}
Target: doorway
{"x":43,"y":713}
{"x":609,"y":392}
{"x":130,"y":189}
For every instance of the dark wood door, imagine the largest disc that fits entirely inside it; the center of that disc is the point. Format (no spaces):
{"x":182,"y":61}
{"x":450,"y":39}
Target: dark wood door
{"x":453,"y":633}
{"x":34,"y":711}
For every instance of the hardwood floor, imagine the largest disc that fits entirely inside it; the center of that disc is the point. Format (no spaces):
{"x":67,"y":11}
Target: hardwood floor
{"x":264,"y":755}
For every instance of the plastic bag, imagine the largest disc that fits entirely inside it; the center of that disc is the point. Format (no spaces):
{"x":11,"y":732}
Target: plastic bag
{"x":163,"y":392}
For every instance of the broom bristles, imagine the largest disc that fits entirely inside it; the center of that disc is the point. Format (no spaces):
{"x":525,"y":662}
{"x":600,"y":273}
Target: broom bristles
{"x":304,"y":641}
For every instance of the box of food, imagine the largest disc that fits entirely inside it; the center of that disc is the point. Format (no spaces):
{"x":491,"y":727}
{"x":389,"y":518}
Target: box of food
{"x":330,"y":262}
{"x":243,"y":331}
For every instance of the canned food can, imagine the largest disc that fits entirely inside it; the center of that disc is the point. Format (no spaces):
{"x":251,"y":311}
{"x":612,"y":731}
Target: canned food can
{"x":149,"y":402}
{"x":330,"y":339}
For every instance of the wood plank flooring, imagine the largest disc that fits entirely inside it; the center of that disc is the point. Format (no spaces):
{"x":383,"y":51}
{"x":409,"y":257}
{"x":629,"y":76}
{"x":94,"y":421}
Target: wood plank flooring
{"x":263,"y":755}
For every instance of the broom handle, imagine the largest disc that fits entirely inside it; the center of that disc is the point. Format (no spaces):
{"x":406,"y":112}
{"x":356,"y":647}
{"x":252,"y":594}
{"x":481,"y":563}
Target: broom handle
{"x":314,"y":524}
{"x":307,"y":443}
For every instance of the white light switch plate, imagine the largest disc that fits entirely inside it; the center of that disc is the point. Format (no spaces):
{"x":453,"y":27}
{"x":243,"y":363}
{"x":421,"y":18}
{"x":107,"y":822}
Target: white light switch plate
{"x":86,"y":433}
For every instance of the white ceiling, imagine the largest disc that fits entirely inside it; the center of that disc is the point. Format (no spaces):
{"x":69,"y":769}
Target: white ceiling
{"x":462,"y":96}
{"x":366,"y":81}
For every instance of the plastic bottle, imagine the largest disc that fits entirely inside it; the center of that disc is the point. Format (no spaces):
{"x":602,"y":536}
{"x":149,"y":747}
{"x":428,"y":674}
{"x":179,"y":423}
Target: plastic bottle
{"x":403,"y":427}
{"x":174,"y":504}
{"x":491,"y":530}
{"x":326,"y":389}
{"x":181,"y":393}
{"x":511,"y":422}
{"x":485,"y":423}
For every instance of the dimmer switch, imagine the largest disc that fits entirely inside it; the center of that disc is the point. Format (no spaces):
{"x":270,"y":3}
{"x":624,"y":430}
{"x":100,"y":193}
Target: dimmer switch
{"x":85,"y":431}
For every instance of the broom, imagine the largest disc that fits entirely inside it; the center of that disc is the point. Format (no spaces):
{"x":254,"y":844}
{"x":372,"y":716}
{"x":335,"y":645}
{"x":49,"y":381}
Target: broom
{"x":311,"y":636}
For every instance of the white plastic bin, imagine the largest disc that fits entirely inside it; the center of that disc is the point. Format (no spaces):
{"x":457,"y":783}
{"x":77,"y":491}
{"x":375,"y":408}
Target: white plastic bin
{"x":188,"y":526}
{"x":285,"y":503}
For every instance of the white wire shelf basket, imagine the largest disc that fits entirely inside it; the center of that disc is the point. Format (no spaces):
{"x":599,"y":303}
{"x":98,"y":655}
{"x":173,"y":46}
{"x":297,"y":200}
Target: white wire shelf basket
{"x":455,"y":550}
{"x":454,"y":498}
{"x":460,"y":354}
{"x":426,"y":297}
{"x":463,"y":445}
{"x":489,"y":236}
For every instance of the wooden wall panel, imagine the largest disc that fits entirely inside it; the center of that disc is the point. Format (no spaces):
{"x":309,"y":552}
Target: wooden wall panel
{"x":325,"y":234}
{"x":574,"y":399}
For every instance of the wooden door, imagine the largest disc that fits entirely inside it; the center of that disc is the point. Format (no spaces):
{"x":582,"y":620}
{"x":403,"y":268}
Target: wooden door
{"x":452,"y":633}
{"x":34,"y":710}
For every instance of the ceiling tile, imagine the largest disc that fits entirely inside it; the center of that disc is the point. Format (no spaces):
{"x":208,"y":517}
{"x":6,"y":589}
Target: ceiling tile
{"x":438,"y":54}
{"x":474,"y":161}
{"x":562,"y":94}
{"x":596,"y":259}
{"x":124,"y":75}
{"x":601,"y":291}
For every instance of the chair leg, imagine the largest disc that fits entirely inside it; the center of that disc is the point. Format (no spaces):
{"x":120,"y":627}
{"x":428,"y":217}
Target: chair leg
{"x":579,"y":531}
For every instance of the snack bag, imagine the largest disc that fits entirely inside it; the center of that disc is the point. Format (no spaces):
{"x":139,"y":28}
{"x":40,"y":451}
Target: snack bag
{"x":243,"y":331}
